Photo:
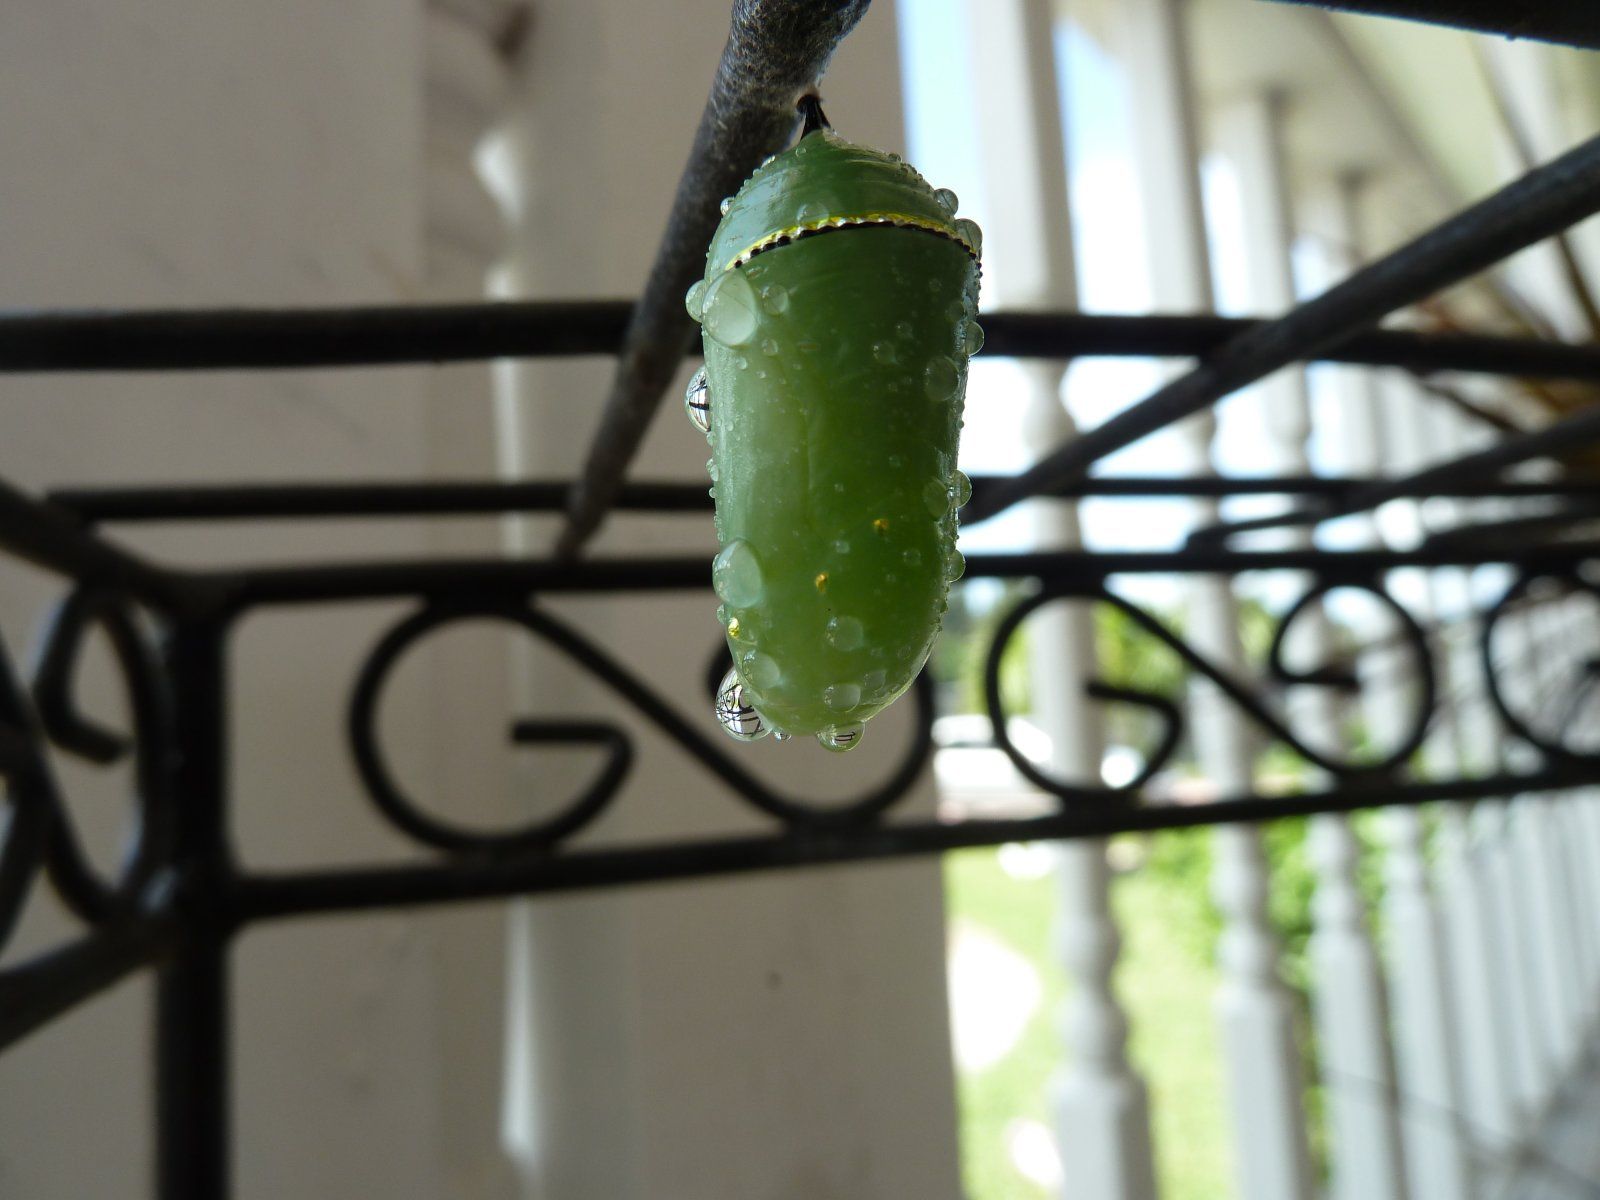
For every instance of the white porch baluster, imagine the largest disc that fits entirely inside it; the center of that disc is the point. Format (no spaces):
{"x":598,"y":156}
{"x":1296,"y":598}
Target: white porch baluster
{"x":1349,"y":1000}
{"x":1102,"y":1111}
{"x":1510,"y":923}
{"x":1254,"y":1009}
{"x":1427,"y":1045}
{"x":1548,"y":668}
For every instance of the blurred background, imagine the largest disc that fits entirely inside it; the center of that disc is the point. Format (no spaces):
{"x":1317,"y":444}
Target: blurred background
{"x":1109,"y":1021}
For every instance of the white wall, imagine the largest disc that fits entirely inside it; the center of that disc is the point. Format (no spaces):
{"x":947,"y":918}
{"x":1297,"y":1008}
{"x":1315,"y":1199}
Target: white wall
{"x":781,"y":1036}
{"x":178,"y":152}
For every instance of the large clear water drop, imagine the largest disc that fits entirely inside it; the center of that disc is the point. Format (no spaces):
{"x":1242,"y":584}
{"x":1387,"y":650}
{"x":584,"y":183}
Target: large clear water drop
{"x":736,"y":574}
{"x":732,"y":314}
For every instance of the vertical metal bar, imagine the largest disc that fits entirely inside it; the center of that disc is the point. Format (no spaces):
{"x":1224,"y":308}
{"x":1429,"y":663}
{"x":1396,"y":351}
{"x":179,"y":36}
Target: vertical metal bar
{"x":192,"y":1087}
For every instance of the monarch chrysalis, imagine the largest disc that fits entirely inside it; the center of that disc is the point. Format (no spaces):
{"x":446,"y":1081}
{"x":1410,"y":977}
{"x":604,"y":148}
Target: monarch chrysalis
{"x":837,"y":315}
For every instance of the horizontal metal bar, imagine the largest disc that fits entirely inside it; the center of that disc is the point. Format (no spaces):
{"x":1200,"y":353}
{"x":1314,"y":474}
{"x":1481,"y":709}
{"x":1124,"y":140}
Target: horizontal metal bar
{"x":1058,"y":335}
{"x":1573,"y":22}
{"x":1539,"y":524}
{"x":1541,"y":203}
{"x":293,"y":894}
{"x":255,"y":339}
{"x":389,"y":335}
{"x":456,"y":578}
{"x":1560,"y":437}
{"x":199,"y":502}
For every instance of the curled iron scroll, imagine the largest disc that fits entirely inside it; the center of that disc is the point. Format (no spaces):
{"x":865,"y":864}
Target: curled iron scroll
{"x":65,"y":725}
{"x":1519,"y":595}
{"x":401,"y":811}
{"x":27,"y":814}
{"x":1236,"y":692}
{"x":1411,"y":634}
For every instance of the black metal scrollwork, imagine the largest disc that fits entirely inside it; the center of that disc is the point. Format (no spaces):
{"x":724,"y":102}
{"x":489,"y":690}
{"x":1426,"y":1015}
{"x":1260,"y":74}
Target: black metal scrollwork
{"x":38,"y":831}
{"x":545,"y":834}
{"x":67,"y":728}
{"x":1238,"y":692}
{"x":1517,"y":600}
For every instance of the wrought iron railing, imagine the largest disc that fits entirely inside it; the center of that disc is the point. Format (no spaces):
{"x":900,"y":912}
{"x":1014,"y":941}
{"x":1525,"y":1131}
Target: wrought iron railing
{"x":180,"y":895}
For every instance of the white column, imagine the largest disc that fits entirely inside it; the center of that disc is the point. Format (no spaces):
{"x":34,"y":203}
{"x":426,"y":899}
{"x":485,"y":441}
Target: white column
{"x":1427,"y":1046}
{"x":466,"y":92}
{"x":1254,"y":1009}
{"x":1348,"y":1000}
{"x":1547,"y":666}
{"x":1502,"y":891}
{"x":1101,"y":1107}
{"x":714,"y":1037}
{"x":1463,"y":741}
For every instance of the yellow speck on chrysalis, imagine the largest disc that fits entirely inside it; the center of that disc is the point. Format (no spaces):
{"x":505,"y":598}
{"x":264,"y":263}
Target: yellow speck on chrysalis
{"x":822,"y":581}
{"x":881,"y":524}
{"x":733,"y":628}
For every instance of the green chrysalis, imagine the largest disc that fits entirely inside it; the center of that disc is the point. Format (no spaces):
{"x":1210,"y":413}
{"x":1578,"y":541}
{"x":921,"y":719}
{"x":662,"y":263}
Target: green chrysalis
{"x":837,"y":316}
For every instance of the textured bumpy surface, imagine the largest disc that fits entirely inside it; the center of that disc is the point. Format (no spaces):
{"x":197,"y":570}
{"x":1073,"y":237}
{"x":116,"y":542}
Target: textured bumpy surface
{"x":837,"y":311}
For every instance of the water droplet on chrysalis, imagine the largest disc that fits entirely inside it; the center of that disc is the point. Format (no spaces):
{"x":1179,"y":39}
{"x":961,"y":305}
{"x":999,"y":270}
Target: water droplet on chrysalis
{"x":736,"y":574}
{"x":936,"y":495}
{"x":971,"y":234}
{"x":960,"y":489}
{"x":769,"y":347}
{"x":775,"y":298}
{"x":883,"y":352}
{"x":731,"y":315}
{"x":763,"y":671}
{"x":735,"y":714}
{"x":845,"y":633}
{"x":840,"y":696}
{"x":840,"y":738}
{"x":694,"y":299}
{"x":955,"y":566}
{"x":971,"y":337}
{"x":940,"y":379}
{"x":727,"y":203}
{"x":697,"y":402}
{"x":948,"y":200}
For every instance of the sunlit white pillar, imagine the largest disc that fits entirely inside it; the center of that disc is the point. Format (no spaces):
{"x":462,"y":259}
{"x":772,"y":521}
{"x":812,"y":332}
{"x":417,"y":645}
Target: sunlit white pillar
{"x":1101,"y":1107}
{"x":1254,"y":1009}
{"x":717,"y":1037}
{"x":1427,"y":1044}
{"x":467,"y":72}
{"x":1348,"y":999}
{"x":1454,"y":1054}
{"x":1495,"y":847}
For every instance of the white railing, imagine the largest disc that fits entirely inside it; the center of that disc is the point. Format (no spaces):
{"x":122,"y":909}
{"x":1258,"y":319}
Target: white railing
{"x":1445,"y":1047}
